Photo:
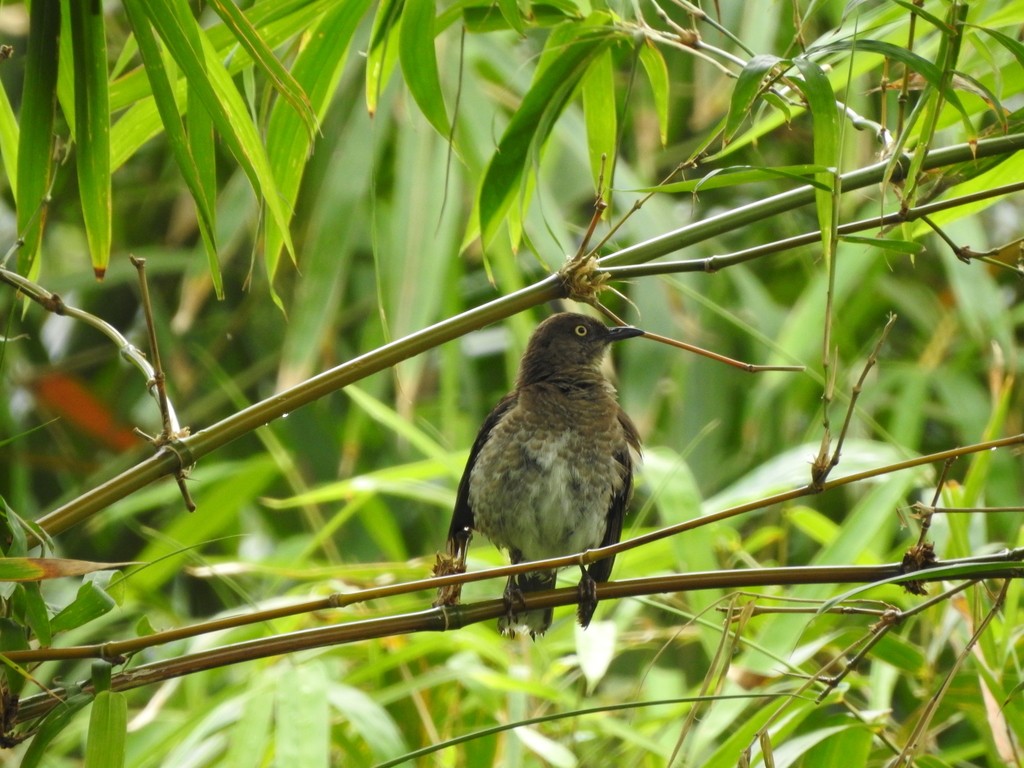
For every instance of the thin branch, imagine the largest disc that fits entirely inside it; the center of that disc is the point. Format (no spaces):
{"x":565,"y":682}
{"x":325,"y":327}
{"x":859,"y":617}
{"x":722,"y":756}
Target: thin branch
{"x":52,"y":302}
{"x":171,"y":429}
{"x":913,"y":744}
{"x":786,"y":201}
{"x":854,"y":396}
{"x":1006,"y":565}
{"x":713,"y":264}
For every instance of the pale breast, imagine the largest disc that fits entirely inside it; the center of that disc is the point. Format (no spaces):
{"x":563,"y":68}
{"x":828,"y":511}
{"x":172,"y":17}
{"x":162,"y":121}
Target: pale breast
{"x":544,"y":481}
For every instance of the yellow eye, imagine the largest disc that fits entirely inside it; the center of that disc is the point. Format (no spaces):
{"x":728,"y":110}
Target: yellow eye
{"x":581,"y":330}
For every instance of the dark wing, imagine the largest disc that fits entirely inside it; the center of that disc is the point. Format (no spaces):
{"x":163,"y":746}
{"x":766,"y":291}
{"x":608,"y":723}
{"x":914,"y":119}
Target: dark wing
{"x":602,"y":569}
{"x":462,"y":516}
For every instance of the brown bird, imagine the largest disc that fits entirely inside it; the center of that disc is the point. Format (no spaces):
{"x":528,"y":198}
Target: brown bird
{"x":551,"y":471}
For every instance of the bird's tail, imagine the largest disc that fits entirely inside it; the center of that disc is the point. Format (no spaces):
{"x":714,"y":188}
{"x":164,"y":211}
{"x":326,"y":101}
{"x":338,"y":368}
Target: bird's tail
{"x":535,"y":622}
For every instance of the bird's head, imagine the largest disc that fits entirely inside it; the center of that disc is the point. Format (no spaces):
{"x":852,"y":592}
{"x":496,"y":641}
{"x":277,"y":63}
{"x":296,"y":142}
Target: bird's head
{"x":569,"y":343}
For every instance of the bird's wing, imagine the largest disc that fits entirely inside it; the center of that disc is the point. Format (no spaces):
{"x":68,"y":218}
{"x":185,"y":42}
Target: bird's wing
{"x":602,"y":569}
{"x":462,"y":516}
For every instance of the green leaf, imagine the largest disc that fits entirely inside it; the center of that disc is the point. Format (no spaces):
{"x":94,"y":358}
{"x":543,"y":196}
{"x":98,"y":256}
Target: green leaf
{"x":909,"y":247}
{"x":419,"y":62}
{"x":92,"y":127}
{"x":52,"y":725}
{"x":735,"y":175}
{"x":35,"y":140}
{"x":167,"y":106}
{"x":36,"y":614}
{"x":204,"y":72}
{"x":600,"y":116}
{"x":749,"y":86}
{"x":108,"y":728}
{"x":267,"y":62}
{"x":317,"y":69}
{"x":381,"y":55}
{"x":657,"y":75}
{"x":202,"y":150}
{"x":569,"y":52}
{"x":303,"y":724}
{"x":9,"y":141}
{"x":390,"y":418}
{"x":927,"y":69}
{"x":513,"y":14}
{"x":1015,"y":47}
{"x":90,"y":603}
{"x":821,"y":103}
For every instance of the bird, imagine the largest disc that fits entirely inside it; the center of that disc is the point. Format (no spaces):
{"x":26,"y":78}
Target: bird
{"x":551,"y":470}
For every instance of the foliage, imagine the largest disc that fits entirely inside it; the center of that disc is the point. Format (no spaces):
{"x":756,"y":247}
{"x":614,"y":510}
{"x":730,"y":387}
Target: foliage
{"x":326,"y":191}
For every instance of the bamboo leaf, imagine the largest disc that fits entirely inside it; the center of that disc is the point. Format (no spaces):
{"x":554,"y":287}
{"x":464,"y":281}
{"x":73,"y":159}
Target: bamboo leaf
{"x":657,"y":75}
{"x":513,"y":14}
{"x":35,"y":140}
{"x":569,"y":52}
{"x":203,"y":152}
{"x":40,"y":568}
{"x":197,"y":59}
{"x":600,"y":117}
{"x":382,"y":52}
{"x":108,"y":729}
{"x":1015,"y":47}
{"x":92,"y":127}
{"x":166,"y":105}
{"x":419,"y":62}
{"x":931,"y":72}
{"x":53,"y":724}
{"x":90,"y":603}
{"x":265,"y":59}
{"x":821,"y":103}
{"x":317,"y":69}
{"x":742,"y":174}
{"x":9,"y":141}
{"x":748,"y":88}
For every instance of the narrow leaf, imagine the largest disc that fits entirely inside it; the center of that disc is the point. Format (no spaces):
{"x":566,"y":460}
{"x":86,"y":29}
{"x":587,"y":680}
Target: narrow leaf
{"x":600,"y":116}
{"x":52,"y":725}
{"x":570,"y":50}
{"x":419,"y":62}
{"x":39,"y":568}
{"x":204,"y":72}
{"x":265,"y":59}
{"x":203,"y":150}
{"x":749,"y":86}
{"x":513,"y":14}
{"x":317,"y":69}
{"x":657,"y":75}
{"x":9,"y":141}
{"x":931,"y":72}
{"x":167,"y":105}
{"x":108,"y":728}
{"x":38,"y":106}
{"x":90,"y":603}
{"x":821,"y":103}
{"x":92,"y":127}
{"x":734,"y":175}
{"x":381,"y":54}
{"x":909,"y":247}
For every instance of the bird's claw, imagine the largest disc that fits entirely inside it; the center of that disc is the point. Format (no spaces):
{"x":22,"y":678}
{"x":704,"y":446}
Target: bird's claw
{"x":514,"y":603}
{"x":587,"y":599}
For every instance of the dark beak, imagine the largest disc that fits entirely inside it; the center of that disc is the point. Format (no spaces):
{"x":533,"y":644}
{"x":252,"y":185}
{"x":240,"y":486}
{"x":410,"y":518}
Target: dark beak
{"x":620,"y":332}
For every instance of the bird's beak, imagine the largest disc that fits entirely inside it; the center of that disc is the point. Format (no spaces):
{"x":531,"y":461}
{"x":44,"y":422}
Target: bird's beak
{"x":620,"y":332}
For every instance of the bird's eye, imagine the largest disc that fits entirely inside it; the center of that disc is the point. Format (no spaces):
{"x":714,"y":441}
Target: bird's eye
{"x":580,"y":330}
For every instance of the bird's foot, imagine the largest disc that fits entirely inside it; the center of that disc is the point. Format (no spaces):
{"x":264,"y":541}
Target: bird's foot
{"x":514,"y":604}
{"x":447,"y":565}
{"x":587,"y":600}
